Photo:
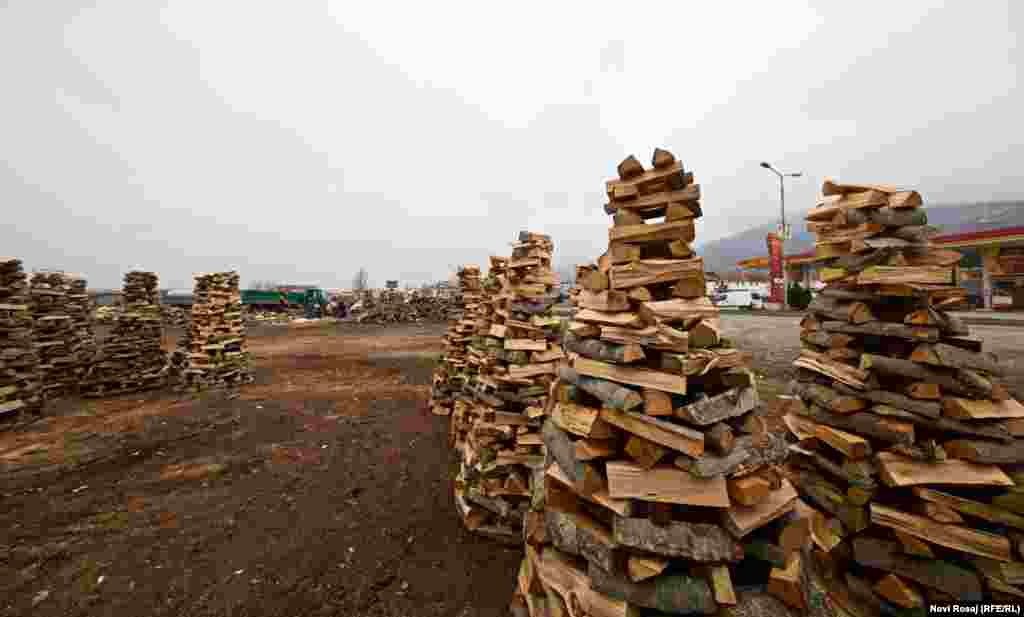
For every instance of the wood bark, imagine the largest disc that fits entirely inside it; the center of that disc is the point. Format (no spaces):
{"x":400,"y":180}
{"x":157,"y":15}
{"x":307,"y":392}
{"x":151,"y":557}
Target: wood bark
{"x":986,"y":452}
{"x":831,"y":499}
{"x":887,"y":216}
{"x":597,"y":349}
{"x":884,"y":328}
{"x":577,"y":533}
{"x":611,"y":394}
{"x":884,"y":397}
{"x":862,"y":423}
{"x":944,"y":424}
{"x":729,"y":404}
{"x":701,"y":542}
{"x":834,"y":399}
{"x":940,"y":354}
{"x":746,"y":453}
{"x":672,"y":593}
{"x":957,"y":382}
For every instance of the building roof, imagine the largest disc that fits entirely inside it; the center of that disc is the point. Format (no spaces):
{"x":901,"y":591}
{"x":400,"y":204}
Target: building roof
{"x":967,"y":239}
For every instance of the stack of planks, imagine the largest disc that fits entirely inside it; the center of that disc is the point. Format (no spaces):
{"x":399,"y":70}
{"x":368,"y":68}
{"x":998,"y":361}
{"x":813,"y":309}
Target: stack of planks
{"x":449,"y":376}
{"x":514,"y":351}
{"x":55,"y":339}
{"x":909,"y":447}
{"x":214,"y":344}
{"x":130,"y":358}
{"x":660,"y":477}
{"x":19,"y":360}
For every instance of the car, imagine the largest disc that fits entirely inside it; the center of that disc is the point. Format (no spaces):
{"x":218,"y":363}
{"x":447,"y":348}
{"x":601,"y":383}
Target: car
{"x":739,"y":298}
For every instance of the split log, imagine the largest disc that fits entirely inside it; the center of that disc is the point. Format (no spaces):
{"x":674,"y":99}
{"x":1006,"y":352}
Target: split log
{"x":671,"y":593}
{"x":705,"y":333}
{"x":645,"y":378}
{"x":829,"y":398}
{"x":579,"y":534}
{"x":692,"y":541}
{"x":642,"y":567}
{"x":838,"y":471}
{"x":720,"y":439}
{"x":917,"y":234}
{"x":784,"y":584}
{"x":958,"y":382}
{"x":945,"y":424}
{"x":955,"y":407}
{"x":741,"y":520}
{"x":898,"y":591}
{"x":831,"y":499}
{"x":895,"y":275}
{"x":884,"y":328}
{"x":661,"y":159}
{"x":678,"y":310}
{"x":622,"y":320}
{"x":729,"y":404}
{"x":849,"y":445}
{"x":645,"y":453}
{"x":986,"y":452}
{"x":940,"y":354}
{"x":888,"y":217}
{"x":664,"y":484}
{"x":655,"y":271}
{"x":748,"y":490}
{"x":611,"y":394}
{"x":951,"y":536}
{"x":976,"y":509}
{"x":630,"y":168}
{"x":824,"y":365}
{"x":594,"y":281}
{"x":899,"y":471}
{"x":582,"y":421}
{"x":596,"y":349}
{"x":820,"y":338}
{"x":862,"y":423}
{"x":668,"y":434}
{"x":605,"y":301}
{"x":924,"y":391}
{"x":746,"y":453}
{"x":884,"y":397}
{"x":584,"y":476}
{"x":884,"y":555}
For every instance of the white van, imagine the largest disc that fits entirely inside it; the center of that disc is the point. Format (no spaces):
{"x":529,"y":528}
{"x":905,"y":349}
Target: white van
{"x":739,"y":298}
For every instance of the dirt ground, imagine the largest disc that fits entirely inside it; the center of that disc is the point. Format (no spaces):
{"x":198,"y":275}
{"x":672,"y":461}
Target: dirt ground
{"x":322,"y":490}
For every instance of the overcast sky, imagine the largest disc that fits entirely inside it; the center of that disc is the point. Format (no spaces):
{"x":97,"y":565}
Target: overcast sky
{"x":298,"y":140}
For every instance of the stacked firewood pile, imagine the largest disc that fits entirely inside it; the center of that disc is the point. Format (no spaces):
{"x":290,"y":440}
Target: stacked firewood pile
{"x":55,"y":338}
{"x":395,"y":307}
{"x":176,"y":316}
{"x":449,"y":376}
{"x":514,"y":352}
{"x":79,"y":307}
{"x":130,"y":358}
{"x":214,"y":345}
{"x":19,"y":359}
{"x":909,"y":446}
{"x":106,"y":314}
{"x":660,"y":478}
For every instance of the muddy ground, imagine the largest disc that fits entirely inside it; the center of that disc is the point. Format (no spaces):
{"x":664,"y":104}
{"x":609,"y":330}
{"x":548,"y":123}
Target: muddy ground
{"x":322,"y":490}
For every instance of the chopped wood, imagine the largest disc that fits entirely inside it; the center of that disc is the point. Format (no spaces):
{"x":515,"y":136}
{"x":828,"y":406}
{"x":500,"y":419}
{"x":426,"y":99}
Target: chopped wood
{"x":956,"y":382}
{"x":898,"y":470}
{"x":741,"y":520}
{"x":582,"y":421}
{"x":584,"y":329}
{"x":720,"y":439}
{"x":611,"y":394}
{"x":653,"y":232}
{"x":785,"y":585}
{"x":940,"y":513}
{"x":750,"y":452}
{"x":630,"y":168}
{"x":668,"y":434}
{"x":657,"y":403}
{"x":940,"y":354}
{"x":679,"y":310}
{"x":577,"y":533}
{"x":886,"y":556}
{"x":748,"y":490}
{"x":951,"y":536}
{"x":591,"y":449}
{"x":638,"y":182}
{"x":721,"y":585}
{"x":652,"y":271}
{"x":933,"y":275}
{"x":596,"y":349}
{"x":924,"y":391}
{"x":899,"y":592}
{"x":828,"y":398}
{"x":887,"y":217}
{"x":700,"y":542}
{"x":729,"y":404}
{"x":986,"y":452}
{"x":669,"y":593}
{"x":849,"y":445}
{"x":642,"y":567}
{"x":622,"y":507}
{"x":796,"y":534}
{"x":665,"y":485}
{"x":608,"y":301}
{"x":705,"y":333}
{"x":955,"y":407}
{"x":973,"y":508}
{"x":645,"y":378}
{"x":866,"y":424}
{"x":622,"y":320}
{"x":883,"y":328}
{"x":645,"y":453}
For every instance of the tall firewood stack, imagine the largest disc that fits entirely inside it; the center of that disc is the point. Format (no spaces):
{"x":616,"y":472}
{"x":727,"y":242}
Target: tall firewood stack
{"x":515,"y":350}
{"x":131,"y":359}
{"x":80,"y":308}
{"x":54,"y":334}
{"x":475,"y":321}
{"x":910,"y":448}
{"x":660,"y":480}
{"x":19,"y":359}
{"x":449,"y":376}
{"x":215,"y":343}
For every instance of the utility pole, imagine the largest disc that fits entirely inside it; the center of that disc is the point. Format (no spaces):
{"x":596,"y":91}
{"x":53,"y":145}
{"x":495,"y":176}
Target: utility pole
{"x":783,"y":229}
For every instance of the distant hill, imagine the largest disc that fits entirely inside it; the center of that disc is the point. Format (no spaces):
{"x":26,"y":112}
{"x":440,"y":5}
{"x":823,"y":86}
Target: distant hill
{"x":721,"y":255}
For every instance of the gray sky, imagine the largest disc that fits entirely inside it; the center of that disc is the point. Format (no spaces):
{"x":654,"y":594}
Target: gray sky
{"x":300,"y":140}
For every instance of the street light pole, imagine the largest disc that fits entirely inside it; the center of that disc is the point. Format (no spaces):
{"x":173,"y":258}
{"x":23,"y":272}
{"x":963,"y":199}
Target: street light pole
{"x":782,"y":235}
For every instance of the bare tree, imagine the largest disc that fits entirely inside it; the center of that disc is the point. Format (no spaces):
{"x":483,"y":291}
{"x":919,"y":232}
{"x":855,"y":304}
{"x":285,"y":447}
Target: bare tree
{"x":361,"y":280}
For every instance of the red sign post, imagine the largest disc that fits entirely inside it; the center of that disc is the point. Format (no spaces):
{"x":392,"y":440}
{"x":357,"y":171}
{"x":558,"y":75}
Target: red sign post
{"x":778,"y":288}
